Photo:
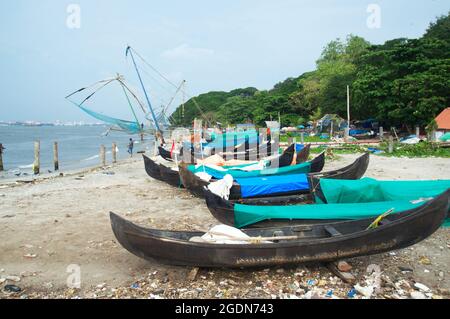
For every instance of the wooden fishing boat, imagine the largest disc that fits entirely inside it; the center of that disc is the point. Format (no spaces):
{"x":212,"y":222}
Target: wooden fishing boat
{"x":239,"y":153}
{"x":316,"y":165}
{"x":165,"y":153}
{"x":286,"y":245}
{"x":356,"y":170}
{"x":152,"y":168}
{"x":345,"y":202}
{"x":303,"y":155}
{"x":171,"y":175}
{"x":252,"y":152}
{"x":162,"y":172}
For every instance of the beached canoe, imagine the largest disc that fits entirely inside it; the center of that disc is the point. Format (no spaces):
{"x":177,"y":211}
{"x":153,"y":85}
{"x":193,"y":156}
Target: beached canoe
{"x":358,"y":199}
{"x":162,"y":172}
{"x":165,"y":153}
{"x":274,"y":185}
{"x":316,"y":165}
{"x":303,"y":155}
{"x":171,"y":175}
{"x":286,"y":245}
{"x":253,"y":152}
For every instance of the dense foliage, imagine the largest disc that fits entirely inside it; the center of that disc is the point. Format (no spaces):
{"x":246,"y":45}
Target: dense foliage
{"x":403,"y":82}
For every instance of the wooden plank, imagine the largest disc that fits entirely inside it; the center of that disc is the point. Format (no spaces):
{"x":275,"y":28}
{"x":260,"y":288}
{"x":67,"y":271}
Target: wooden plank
{"x":344,"y":276}
{"x":332,"y":231}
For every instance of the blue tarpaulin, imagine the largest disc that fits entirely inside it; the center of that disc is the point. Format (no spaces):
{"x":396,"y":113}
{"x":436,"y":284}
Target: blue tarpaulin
{"x":299,"y":147}
{"x":357,"y":132}
{"x":260,"y":186}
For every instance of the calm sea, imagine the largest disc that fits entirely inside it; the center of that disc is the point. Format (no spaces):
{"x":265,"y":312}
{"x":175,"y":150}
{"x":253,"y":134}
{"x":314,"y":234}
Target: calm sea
{"x":78,"y":147}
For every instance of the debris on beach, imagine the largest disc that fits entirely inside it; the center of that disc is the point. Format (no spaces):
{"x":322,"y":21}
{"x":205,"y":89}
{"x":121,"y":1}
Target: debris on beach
{"x":30,"y":255}
{"x":12,"y":288}
{"x":402,"y":275}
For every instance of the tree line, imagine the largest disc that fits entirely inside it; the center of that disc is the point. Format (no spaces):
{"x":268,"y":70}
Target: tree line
{"x":403,"y":83}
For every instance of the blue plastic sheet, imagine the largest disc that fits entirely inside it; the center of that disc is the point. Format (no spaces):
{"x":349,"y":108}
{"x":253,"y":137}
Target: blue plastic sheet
{"x":261,"y":186}
{"x":299,"y":147}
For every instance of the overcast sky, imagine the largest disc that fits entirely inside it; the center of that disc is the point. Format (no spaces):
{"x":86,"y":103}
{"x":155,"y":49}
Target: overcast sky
{"x":214,"y":45}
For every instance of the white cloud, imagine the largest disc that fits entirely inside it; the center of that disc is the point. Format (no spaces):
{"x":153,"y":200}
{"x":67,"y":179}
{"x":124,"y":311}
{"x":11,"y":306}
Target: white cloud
{"x":184,"y":51}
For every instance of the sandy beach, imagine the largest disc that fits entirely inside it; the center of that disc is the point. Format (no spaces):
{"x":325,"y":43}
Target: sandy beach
{"x":55,"y":222}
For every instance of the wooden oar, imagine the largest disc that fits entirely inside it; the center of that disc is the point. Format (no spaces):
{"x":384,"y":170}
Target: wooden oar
{"x":257,"y":239}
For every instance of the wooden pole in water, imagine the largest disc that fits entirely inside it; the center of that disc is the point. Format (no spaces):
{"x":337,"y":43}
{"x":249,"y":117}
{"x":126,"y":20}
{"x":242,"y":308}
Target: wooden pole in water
{"x":55,"y":156}
{"x":417,"y":131}
{"x":37,"y":163}
{"x":391,"y":144}
{"x":114,"y":152}
{"x":1,"y":157}
{"x":103,"y":155}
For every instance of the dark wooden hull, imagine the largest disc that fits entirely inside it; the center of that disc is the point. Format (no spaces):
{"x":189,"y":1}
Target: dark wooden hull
{"x":353,"y":171}
{"x":170,"y":176}
{"x":196,"y":184}
{"x":318,"y":163}
{"x":223,"y":210}
{"x":231,"y":153}
{"x":161,"y":172}
{"x":253,"y":153}
{"x":191,"y":182}
{"x":152,"y":168}
{"x":313,"y":243}
{"x":165,"y":154}
{"x":303,"y":155}
{"x":286,"y":158}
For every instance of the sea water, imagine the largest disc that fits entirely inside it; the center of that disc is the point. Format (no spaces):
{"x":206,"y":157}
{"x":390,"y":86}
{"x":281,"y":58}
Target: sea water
{"x":78,"y":147}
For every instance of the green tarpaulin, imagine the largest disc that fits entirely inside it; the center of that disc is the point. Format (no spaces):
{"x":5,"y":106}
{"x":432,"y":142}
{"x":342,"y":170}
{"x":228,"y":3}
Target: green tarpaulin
{"x":245,"y":215}
{"x":372,"y":190}
{"x":358,"y":199}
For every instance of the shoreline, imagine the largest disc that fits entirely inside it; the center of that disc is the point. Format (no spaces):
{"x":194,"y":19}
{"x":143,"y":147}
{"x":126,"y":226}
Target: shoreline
{"x":31,"y":178}
{"x":78,"y":149}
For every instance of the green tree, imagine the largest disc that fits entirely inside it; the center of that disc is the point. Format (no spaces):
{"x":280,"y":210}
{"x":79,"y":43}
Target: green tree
{"x":404,"y":83}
